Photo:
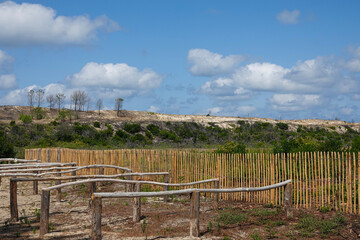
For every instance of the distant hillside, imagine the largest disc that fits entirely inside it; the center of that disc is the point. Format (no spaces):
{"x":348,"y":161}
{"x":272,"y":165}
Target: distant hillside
{"x":132,"y":129}
{"x":9,"y":113}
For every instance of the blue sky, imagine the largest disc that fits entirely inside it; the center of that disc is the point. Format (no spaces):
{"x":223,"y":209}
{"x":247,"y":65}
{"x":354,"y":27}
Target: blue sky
{"x":272,"y":59}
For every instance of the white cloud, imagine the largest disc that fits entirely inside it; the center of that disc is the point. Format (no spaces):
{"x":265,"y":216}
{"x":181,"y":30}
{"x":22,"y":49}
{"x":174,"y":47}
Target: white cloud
{"x":295,"y":102}
{"x":206,"y":63}
{"x":7,"y":81}
{"x":34,"y":24}
{"x":17,"y":96}
{"x":153,"y":109}
{"x":5,"y":59}
{"x":115,"y":77}
{"x":288,"y":17}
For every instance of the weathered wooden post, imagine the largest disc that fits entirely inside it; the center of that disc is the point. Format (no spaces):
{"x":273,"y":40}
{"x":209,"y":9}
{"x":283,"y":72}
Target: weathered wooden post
{"x":194,"y":214}
{"x":166,"y":180}
{"x":129,"y":187}
{"x":35,"y":183}
{"x":288,"y":200}
{"x":44,"y":212}
{"x":14,"y":214}
{"x":137,"y":204}
{"x":57,"y":182}
{"x":96,"y":218}
{"x":92,"y":188}
{"x":101,"y":172}
{"x":216,"y":195}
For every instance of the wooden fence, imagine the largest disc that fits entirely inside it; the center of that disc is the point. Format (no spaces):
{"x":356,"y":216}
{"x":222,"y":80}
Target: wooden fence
{"x":319,"y":179}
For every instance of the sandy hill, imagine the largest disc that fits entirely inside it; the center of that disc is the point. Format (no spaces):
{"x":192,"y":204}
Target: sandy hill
{"x":9,"y":113}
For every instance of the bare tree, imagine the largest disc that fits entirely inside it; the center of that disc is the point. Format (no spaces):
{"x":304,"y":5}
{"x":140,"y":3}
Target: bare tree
{"x":88,"y":104}
{"x":99,"y":105}
{"x":39,"y":96}
{"x":60,"y":98}
{"x":51,"y":100}
{"x":79,"y":98}
{"x":83,"y":98}
{"x":118,"y":105}
{"x":31,"y":95}
{"x":75,"y":99}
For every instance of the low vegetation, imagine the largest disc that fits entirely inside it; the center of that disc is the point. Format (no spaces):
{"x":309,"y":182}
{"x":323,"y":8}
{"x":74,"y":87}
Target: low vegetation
{"x":242,"y":137}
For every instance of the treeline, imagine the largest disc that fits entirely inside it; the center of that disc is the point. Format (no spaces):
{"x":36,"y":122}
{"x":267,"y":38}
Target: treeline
{"x":242,"y":137}
{"x":78,"y":100}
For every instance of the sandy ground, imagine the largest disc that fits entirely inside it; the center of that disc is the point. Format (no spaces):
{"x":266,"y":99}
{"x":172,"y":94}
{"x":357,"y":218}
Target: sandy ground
{"x":71,"y":219}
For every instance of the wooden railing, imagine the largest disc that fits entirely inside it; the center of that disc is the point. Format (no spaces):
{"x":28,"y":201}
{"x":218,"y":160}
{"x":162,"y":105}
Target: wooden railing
{"x":194,"y":206}
{"x":45,"y":196}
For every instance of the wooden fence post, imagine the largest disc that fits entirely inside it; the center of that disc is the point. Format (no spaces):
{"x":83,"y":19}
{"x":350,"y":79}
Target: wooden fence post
{"x":44,"y":212}
{"x":216,"y":196}
{"x":137,"y":204}
{"x":288,"y":200}
{"x":194,"y":214}
{"x":101,"y":172}
{"x":57,"y":182}
{"x":96,"y":218}
{"x":129,"y":187}
{"x":166,"y":180}
{"x":92,"y":187}
{"x":14,"y":213}
{"x":35,"y":183}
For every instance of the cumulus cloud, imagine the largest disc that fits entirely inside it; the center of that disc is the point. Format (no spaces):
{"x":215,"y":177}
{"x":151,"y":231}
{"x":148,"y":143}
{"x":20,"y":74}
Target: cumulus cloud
{"x":115,"y":76}
{"x":347,"y":110}
{"x":288,"y":17}
{"x":295,"y":102}
{"x":34,"y":24}
{"x":206,"y":63}
{"x":7,"y":81}
{"x":5,"y":60}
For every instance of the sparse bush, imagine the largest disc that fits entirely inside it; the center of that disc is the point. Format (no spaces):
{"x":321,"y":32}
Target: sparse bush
{"x":282,"y":126}
{"x":97,"y":124}
{"x":132,"y":127}
{"x":38,"y":113}
{"x":25,"y":118}
{"x":155,"y":130}
{"x":231,"y":147}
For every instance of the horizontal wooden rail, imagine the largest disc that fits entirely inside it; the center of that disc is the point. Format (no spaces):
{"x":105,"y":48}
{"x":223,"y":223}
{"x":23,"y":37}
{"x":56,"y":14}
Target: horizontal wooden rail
{"x":51,"y":168}
{"x":129,"y":182}
{"x":45,"y":202}
{"x":36,"y":177}
{"x":34,"y":165}
{"x":13,"y":182}
{"x":194,"y":203}
{"x":17,"y":160}
{"x":94,"y":166}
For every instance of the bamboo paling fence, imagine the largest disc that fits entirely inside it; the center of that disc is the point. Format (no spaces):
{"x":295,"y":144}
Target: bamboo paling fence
{"x":319,"y":179}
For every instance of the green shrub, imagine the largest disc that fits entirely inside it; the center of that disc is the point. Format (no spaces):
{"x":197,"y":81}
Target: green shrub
{"x":138,"y":138}
{"x":231,"y":147}
{"x":155,"y":130}
{"x":25,"y":118}
{"x":97,"y":124}
{"x":282,"y":126}
{"x":121,"y":136}
{"x":6,"y":148}
{"x":132,"y":127}
{"x":38,"y":113}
